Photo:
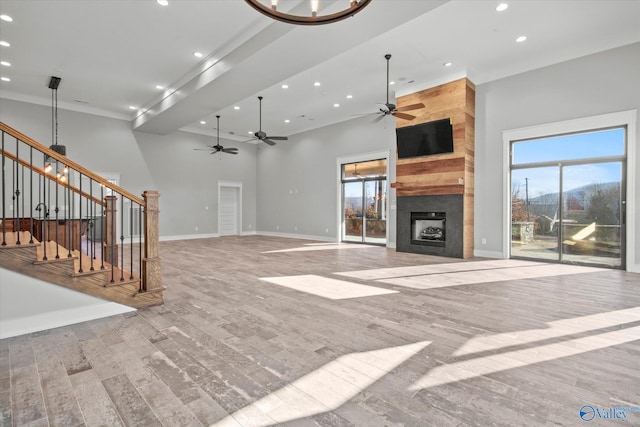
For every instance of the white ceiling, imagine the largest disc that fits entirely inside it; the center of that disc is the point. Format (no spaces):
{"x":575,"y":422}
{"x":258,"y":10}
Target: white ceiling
{"x":110,"y":55}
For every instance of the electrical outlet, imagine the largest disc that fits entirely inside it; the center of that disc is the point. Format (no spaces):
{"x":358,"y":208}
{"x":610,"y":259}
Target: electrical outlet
{"x":484,"y":241}
{"x":196,"y":228}
{"x":277,"y":227}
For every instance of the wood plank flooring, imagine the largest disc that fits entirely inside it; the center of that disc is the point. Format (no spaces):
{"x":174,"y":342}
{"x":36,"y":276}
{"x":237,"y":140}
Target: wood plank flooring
{"x":457,"y":343}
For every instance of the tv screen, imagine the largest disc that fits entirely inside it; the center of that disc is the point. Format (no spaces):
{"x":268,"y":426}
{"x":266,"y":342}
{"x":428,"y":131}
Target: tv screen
{"x":425,"y":139}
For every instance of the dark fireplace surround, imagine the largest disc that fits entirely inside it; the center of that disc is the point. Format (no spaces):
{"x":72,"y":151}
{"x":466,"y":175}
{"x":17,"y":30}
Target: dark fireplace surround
{"x":418,"y":220}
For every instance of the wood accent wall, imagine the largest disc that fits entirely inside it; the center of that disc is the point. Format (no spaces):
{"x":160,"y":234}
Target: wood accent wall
{"x":451,"y":173}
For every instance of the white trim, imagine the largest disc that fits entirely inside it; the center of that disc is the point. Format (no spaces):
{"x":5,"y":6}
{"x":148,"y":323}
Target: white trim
{"x":488,"y":254}
{"x":188,"y":237}
{"x":365,"y":157}
{"x":297,"y":236}
{"x":233,"y":184}
{"x":623,"y":118}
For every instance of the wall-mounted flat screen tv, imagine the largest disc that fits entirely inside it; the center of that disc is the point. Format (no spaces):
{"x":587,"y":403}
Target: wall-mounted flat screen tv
{"x":425,"y":139}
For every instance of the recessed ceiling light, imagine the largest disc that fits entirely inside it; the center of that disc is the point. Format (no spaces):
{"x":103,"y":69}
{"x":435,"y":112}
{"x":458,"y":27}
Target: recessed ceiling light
{"x":202,"y":122}
{"x":250,"y":133}
{"x":6,"y":18}
{"x":336,"y":105}
{"x":159,"y":87}
{"x":5,"y":63}
{"x":198,"y":54}
{"x":236,"y":108}
{"x":131,"y":107}
{"x":4,"y":43}
{"x":501,"y":7}
{"x":392,"y":83}
{"x":5,"y":79}
{"x":521,"y":39}
{"x":349,"y":96}
{"x":163,"y":2}
{"x":316,"y":84}
{"x":287,"y":121}
{"x":448,"y":64}
{"x":285,"y":86}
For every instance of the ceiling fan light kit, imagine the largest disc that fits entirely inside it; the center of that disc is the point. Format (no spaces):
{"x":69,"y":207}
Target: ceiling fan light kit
{"x":354,"y":6}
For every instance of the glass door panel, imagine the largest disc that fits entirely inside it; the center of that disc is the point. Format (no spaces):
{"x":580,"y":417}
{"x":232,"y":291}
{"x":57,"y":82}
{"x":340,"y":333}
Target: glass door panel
{"x":592,"y":213}
{"x":352,"y":211}
{"x":375,"y":213}
{"x":534,"y":212}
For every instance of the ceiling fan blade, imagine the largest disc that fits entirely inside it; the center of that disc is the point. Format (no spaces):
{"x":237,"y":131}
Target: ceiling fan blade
{"x":404,"y":116}
{"x":202,"y":149}
{"x":230,"y":150}
{"x":278,"y":138}
{"x":411,"y":107}
{"x":377,"y":119}
{"x":269,"y":142}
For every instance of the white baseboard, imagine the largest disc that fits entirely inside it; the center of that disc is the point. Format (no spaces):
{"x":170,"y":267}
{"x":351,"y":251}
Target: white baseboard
{"x":297,"y":236}
{"x":188,"y":237}
{"x":489,"y":254}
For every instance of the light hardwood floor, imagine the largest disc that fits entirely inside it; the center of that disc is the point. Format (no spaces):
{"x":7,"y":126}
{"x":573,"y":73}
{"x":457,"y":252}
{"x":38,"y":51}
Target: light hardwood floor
{"x":259,"y":331}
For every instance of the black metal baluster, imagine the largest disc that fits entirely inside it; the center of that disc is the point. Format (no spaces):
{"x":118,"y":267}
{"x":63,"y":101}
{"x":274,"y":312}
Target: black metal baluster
{"x":31,"y":195}
{"x":91,"y":227}
{"x":44,"y":223}
{"x":140,"y":248}
{"x":69,"y":208}
{"x":16,"y":192}
{"x":122,"y":238}
{"x":22,"y":193}
{"x":103,"y":228}
{"x":4,"y":184}
{"x":80,"y":219}
{"x":81,"y":227}
{"x":131,"y":241}
{"x":112,"y":235}
{"x":57,"y":210}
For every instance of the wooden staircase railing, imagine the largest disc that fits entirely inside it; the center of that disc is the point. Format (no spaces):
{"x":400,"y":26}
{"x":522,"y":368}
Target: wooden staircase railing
{"x":91,"y":221}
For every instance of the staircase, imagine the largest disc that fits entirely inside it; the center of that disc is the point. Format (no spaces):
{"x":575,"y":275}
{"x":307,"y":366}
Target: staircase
{"x":90,"y":235}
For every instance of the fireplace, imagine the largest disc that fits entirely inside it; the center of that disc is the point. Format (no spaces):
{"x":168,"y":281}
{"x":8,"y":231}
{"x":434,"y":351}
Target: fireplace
{"x":430,"y":225}
{"x":428,"y":228}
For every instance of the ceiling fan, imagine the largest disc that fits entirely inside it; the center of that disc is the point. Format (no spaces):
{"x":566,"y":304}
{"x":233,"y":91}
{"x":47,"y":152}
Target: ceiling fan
{"x":218,"y":148}
{"x":391,"y":109}
{"x":262,"y":136}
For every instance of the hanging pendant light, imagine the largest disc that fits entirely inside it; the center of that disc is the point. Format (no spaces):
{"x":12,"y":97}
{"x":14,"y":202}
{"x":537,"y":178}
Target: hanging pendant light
{"x":54,"y":82}
{"x":353,"y":7}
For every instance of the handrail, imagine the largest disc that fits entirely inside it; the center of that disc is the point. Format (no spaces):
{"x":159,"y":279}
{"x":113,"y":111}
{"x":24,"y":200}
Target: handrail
{"x":68,"y":162}
{"x":41,"y":171}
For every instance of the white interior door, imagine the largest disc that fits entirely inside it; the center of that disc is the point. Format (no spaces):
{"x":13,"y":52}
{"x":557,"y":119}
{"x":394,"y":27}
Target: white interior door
{"x":228,"y":210}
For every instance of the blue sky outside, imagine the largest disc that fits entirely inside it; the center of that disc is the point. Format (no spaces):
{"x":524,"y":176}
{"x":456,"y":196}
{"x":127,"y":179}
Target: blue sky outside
{"x":568,"y":147}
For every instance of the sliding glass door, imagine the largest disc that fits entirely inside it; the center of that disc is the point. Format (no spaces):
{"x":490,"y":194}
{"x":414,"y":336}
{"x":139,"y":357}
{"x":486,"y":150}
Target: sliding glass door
{"x":567,"y":198}
{"x":364,"y":206}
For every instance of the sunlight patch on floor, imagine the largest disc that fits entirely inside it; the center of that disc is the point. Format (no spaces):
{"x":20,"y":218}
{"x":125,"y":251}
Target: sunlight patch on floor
{"x":323,"y":390}
{"x":555,"y":329}
{"x":464,"y":370}
{"x":418,"y":270}
{"x":326,"y":287}
{"x":324,"y":247}
{"x":488,"y":276}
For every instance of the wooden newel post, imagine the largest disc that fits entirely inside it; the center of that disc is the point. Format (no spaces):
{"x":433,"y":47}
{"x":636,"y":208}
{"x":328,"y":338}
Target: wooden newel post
{"x":110,"y":250}
{"x":152,"y":280}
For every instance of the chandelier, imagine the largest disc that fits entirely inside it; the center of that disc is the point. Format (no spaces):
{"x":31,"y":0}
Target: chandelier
{"x":313,"y":18}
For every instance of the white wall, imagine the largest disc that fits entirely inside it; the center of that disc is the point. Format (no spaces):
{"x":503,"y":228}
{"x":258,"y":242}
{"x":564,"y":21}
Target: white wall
{"x":597,"y":84}
{"x":298,"y":179}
